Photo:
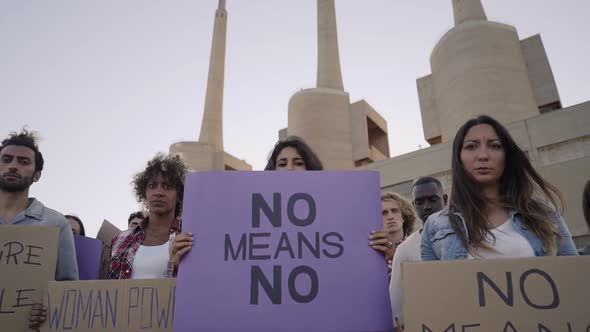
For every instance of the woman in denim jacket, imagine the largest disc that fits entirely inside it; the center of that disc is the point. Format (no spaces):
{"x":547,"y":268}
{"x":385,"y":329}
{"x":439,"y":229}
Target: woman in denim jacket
{"x":500,"y":206}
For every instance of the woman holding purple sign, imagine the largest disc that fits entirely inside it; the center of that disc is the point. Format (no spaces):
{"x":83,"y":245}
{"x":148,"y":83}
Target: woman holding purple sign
{"x":293,"y":154}
{"x":500,"y":206}
{"x":153,"y":249}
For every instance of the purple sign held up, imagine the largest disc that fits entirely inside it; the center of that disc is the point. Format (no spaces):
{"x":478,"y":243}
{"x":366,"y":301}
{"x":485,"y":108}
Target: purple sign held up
{"x":282,"y":251}
{"x":88,"y":252}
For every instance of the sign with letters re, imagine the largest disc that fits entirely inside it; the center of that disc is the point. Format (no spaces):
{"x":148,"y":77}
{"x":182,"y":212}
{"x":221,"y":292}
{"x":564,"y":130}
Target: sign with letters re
{"x":28,"y":256}
{"x":282,"y":251}
{"x":540,"y":294}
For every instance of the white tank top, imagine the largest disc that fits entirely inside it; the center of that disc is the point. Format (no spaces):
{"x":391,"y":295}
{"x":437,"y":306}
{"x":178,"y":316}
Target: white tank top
{"x":508,"y":243}
{"x":151,"y":262}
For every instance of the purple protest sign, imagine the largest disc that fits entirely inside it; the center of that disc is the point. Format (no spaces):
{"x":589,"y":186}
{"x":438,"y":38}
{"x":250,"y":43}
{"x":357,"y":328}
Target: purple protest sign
{"x":88,"y":252}
{"x":282,"y":251}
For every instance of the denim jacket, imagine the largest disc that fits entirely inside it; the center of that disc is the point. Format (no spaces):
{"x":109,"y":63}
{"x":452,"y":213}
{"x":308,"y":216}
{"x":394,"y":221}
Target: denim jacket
{"x":440,"y":242}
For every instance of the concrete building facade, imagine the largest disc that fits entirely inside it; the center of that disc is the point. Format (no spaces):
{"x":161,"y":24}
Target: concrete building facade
{"x":478,"y":67}
{"x":342,"y":134}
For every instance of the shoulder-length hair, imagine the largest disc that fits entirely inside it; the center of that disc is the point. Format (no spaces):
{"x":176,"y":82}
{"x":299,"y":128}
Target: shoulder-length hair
{"x":405,"y":207}
{"x":311,"y":160}
{"x":521,"y":188}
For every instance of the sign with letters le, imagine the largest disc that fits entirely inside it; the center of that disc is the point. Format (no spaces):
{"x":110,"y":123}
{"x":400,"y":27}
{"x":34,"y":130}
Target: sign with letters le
{"x":282,"y":251}
{"x":28,"y":256}
{"x":540,"y":294}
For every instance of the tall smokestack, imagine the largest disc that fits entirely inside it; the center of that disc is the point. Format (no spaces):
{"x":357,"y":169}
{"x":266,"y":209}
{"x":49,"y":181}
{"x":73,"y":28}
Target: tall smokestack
{"x":212,"y":125}
{"x":329,"y":73}
{"x":468,"y":10}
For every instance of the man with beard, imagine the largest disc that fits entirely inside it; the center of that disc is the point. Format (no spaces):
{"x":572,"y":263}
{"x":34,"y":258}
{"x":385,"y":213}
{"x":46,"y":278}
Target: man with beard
{"x":428,"y":198}
{"x":21,"y":164}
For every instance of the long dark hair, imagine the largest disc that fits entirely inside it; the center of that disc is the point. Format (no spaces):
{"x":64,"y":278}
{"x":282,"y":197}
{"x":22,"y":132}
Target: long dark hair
{"x":521,"y":188}
{"x":311,"y":160}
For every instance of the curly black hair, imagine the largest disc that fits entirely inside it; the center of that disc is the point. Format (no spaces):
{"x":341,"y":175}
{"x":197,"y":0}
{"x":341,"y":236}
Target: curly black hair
{"x":171,"y":167}
{"x":27,"y":139}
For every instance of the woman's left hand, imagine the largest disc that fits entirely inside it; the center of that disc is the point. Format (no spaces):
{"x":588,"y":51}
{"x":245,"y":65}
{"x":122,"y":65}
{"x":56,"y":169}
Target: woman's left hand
{"x":380,"y":241}
{"x":183,"y":242}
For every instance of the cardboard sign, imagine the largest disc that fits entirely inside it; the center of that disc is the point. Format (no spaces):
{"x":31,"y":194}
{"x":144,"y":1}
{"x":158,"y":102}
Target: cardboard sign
{"x":28,"y":256}
{"x":282,"y":251}
{"x":545,"y":294}
{"x":110,"y":305}
{"x":88,"y":256}
{"x":106,"y":233}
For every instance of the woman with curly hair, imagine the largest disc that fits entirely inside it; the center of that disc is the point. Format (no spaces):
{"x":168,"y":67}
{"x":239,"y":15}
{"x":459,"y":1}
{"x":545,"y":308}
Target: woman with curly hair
{"x":398,"y":223}
{"x":500,"y":207}
{"x":154,"y":247}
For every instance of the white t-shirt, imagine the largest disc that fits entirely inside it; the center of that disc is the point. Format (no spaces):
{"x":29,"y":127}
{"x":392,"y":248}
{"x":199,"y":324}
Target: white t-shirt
{"x":151,"y":262}
{"x":407,"y":251}
{"x":508,"y":243}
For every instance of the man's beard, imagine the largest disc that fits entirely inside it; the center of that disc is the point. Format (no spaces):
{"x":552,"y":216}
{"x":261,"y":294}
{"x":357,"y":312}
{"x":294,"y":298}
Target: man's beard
{"x":14,"y":187}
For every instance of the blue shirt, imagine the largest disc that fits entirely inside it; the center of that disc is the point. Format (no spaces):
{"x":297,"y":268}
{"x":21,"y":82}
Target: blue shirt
{"x":440,"y":241}
{"x":38,"y":214}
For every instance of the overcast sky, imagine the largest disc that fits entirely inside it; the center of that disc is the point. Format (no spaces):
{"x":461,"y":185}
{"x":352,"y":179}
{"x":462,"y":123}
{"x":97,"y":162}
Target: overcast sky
{"x":109,"y":83}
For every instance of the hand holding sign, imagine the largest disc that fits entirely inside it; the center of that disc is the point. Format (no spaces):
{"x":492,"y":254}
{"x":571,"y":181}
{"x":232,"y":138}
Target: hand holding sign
{"x":182,"y":243}
{"x":381,"y":241}
{"x":38,"y":315}
{"x":28,"y":257}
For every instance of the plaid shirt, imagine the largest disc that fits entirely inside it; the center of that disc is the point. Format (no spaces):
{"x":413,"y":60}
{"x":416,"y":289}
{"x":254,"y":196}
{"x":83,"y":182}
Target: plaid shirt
{"x":125,"y":244}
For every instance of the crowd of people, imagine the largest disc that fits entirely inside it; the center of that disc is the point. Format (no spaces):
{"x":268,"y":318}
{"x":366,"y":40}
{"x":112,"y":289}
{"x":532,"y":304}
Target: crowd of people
{"x":499,"y":206}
